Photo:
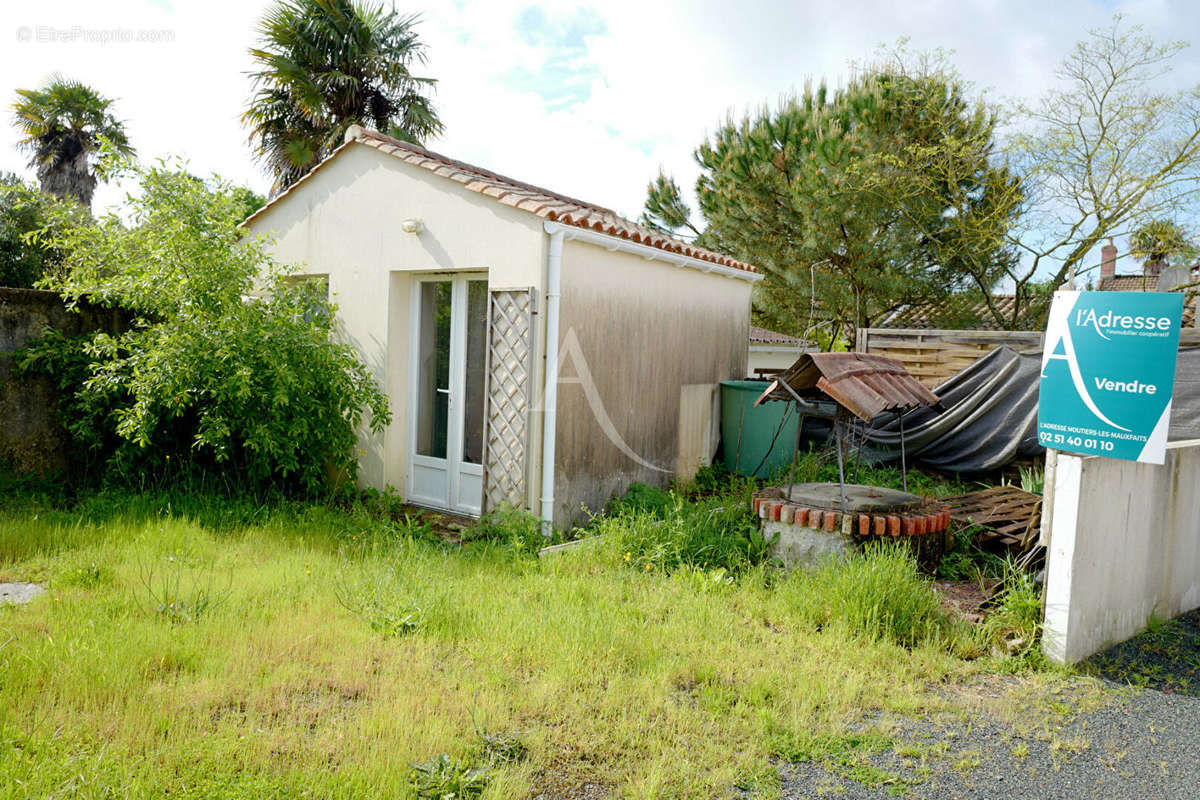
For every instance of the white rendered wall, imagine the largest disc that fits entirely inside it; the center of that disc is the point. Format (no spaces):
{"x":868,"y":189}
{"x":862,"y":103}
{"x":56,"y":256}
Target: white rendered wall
{"x":765,"y":356}
{"x":1124,"y":545}
{"x":344,"y":221}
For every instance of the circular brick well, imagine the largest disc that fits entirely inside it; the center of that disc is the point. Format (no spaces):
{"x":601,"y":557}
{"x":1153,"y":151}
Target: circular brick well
{"x":870,"y":510}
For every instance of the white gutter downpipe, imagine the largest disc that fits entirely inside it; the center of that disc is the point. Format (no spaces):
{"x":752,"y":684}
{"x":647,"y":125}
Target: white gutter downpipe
{"x":550,"y":392}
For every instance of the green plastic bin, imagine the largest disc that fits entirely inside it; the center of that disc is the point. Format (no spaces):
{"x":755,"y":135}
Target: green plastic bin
{"x":752,"y":441}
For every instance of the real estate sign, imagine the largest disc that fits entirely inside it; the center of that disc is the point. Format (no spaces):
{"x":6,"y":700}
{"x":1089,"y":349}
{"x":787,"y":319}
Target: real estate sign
{"x":1108,"y":371}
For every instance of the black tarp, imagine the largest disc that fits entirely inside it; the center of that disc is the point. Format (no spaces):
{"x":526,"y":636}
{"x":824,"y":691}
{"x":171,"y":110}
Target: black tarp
{"x":988,"y":415}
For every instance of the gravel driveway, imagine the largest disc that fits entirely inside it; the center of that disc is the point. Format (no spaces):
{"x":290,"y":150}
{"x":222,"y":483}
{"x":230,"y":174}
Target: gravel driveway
{"x":1134,"y":733}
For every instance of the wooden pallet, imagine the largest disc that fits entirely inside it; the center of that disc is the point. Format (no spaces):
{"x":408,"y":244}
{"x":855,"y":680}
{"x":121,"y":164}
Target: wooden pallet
{"x":1008,"y":515}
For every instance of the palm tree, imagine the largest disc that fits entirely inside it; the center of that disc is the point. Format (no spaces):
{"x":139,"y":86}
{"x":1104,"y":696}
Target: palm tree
{"x":62,"y":126}
{"x":1160,"y":241}
{"x":324,"y":65}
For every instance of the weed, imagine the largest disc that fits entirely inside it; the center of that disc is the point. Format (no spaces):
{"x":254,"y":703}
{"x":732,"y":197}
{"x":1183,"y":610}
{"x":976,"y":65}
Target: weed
{"x":711,"y":479}
{"x":967,"y":761}
{"x":444,"y":778}
{"x":177,"y":591}
{"x":374,"y":598}
{"x":965,"y":562}
{"x":649,"y":684}
{"x":645,"y":499}
{"x":514,"y":528}
{"x":880,"y":594}
{"x":499,"y":747}
{"x":1014,"y":626}
{"x":1033,"y":479}
{"x":761,"y":780}
{"x":845,"y":754}
{"x":1157,"y":628}
{"x":705,"y":535}
{"x":87,"y":576}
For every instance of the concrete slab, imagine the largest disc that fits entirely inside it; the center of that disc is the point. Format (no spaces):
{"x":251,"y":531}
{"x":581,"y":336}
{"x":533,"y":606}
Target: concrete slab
{"x":555,"y":549}
{"x":19,"y":593}
{"x":859,"y":497}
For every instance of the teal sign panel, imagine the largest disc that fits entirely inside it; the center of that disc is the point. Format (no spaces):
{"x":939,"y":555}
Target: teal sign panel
{"x":1108,"y":371}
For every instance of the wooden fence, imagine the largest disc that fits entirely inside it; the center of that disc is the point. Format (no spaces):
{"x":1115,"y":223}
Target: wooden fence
{"x":933,"y":356}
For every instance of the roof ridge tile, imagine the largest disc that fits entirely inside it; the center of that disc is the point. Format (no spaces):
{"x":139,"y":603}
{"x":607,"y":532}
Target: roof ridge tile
{"x":537,"y":200}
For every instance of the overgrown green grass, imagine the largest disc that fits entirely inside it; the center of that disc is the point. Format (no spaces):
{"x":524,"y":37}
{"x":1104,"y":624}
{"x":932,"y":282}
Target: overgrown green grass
{"x":228,"y":649}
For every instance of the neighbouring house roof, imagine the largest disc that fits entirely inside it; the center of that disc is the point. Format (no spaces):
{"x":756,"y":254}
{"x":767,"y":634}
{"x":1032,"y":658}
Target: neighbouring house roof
{"x":1141,"y":282}
{"x":544,"y":203}
{"x":764,"y":336}
{"x":975,"y":316}
{"x":1128,"y":283}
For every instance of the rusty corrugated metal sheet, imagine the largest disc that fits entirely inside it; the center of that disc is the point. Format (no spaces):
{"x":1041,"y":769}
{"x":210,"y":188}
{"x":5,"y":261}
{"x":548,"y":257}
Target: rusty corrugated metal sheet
{"x":866,"y":385}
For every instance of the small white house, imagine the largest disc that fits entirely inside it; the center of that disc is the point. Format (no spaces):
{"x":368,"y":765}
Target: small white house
{"x":772,"y":352}
{"x":538,"y":351}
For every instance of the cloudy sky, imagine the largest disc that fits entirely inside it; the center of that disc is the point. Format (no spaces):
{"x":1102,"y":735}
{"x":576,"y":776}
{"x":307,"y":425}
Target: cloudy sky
{"x":589,"y":100}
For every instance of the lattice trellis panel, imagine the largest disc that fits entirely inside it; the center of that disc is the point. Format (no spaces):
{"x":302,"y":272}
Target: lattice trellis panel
{"x":510,"y":368}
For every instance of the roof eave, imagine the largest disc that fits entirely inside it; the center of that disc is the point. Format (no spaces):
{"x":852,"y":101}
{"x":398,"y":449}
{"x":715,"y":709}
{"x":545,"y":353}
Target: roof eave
{"x":610,"y":242}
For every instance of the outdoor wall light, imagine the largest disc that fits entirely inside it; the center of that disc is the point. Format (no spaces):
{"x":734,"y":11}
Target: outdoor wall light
{"x":412,"y":226}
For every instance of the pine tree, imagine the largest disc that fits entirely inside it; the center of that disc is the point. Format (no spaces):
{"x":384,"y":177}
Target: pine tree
{"x":858,"y":201}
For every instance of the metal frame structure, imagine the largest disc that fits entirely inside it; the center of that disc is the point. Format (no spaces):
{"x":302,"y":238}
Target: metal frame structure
{"x":863,"y":386}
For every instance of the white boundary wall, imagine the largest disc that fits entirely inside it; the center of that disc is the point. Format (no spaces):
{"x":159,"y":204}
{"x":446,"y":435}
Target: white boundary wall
{"x":1123,"y":545}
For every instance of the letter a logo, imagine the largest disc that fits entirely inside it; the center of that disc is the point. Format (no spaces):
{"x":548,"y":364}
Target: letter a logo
{"x":1060,"y":347}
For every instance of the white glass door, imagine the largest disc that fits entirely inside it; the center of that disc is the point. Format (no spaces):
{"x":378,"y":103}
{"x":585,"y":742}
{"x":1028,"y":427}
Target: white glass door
{"x":449,"y":332}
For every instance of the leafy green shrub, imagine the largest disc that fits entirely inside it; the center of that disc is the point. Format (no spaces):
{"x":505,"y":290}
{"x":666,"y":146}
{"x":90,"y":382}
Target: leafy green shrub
{"x":641,"y":497}
{"x":879,"y":594}
{"x":26,"y":256}
{"x":444,"y":778}
{"x":515,"y":528}
{"x":963,"y":561}
{"x":709,"y":534}
{"x":711,"y":479}
{"x":230,"y":364}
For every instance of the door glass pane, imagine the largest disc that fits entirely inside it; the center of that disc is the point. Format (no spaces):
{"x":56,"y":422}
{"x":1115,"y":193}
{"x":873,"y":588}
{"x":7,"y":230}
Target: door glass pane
{"x":476,"y":362}
{"x":433,"y":370}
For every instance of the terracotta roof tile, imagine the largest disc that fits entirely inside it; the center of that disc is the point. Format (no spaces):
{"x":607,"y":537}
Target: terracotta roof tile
{"x":865,"y":384}
{"x":977,"y":316}
{"x":1128,"y":283}
{"x":526,"y":197}
{"x":960,"y":317}
{"x":764,"y":336}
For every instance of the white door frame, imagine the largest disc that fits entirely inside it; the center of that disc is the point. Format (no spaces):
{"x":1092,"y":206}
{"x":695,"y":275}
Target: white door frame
{"x":463,"y":484}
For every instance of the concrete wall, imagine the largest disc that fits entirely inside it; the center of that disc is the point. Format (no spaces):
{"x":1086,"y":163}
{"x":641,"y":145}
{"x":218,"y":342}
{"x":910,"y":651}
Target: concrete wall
{"x":1124,"y":544}
{"x":32,"y":439}
{"x":344,"y":221}
{"x":643,"y":344}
